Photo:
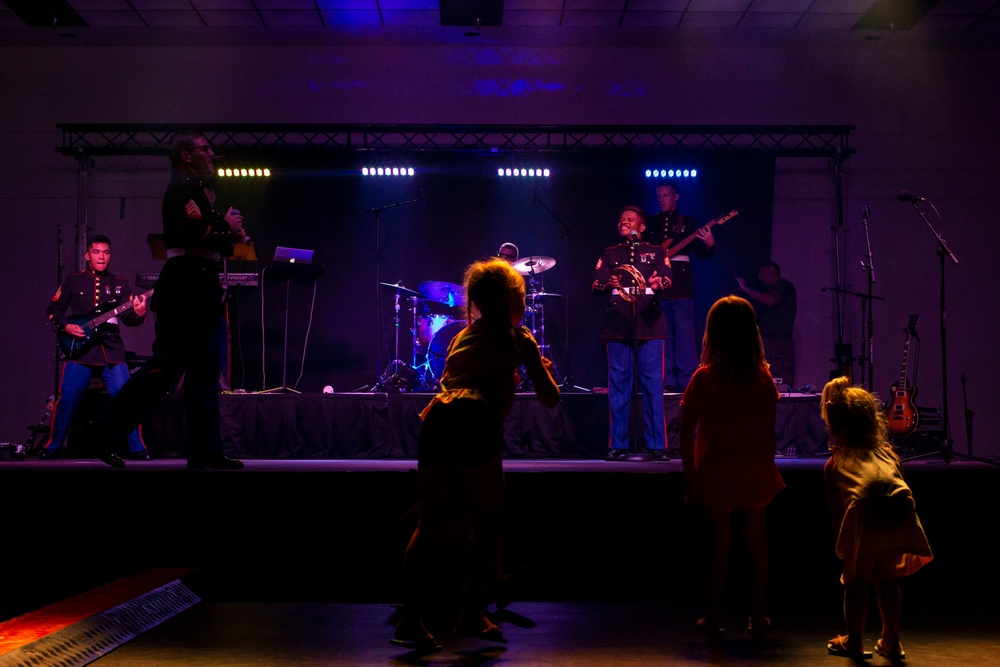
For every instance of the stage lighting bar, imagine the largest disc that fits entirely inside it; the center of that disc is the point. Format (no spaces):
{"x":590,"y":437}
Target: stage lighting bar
{"x":523,"y":172}
{"x":390,"y":172}
{"x":244,"y":172}
{"x":671,"y":173}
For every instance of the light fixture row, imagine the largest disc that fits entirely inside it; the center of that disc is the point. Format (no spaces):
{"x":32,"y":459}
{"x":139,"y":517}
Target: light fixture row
{"x":387,"y":171}
{"x":671,"y":173}
{"x":245,"y":172}
{"x":523,"y":172}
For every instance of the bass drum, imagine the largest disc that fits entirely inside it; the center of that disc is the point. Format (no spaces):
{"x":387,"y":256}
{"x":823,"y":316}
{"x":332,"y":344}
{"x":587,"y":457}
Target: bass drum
{"x":437,"y":351}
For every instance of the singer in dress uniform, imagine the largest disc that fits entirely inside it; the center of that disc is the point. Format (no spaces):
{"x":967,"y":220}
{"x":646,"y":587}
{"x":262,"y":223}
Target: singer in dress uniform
{"x":632,"y":274}
{"x":188,"y":303}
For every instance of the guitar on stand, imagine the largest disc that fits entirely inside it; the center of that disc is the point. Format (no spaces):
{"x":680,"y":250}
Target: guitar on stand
{"x":673,"y":249}
{"x":903,"y":415}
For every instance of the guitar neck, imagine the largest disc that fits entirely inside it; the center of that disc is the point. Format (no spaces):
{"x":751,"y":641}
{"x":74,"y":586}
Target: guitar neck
{"x":674,"y":249}
{"x":101,"y":319}
{"x":906,"y":354}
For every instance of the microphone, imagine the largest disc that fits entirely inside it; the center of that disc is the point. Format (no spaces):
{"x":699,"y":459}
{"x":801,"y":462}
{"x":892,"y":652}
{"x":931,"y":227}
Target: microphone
{"x":246,"y":237}
{"x":634,"y":237}
{"x":906,"y":195}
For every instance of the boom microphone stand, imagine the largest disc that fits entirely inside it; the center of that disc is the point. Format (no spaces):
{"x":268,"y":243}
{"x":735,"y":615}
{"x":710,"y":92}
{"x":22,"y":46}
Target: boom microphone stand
{"x":567,"y":384}
{"x":377,"y":211}
{"x":946,"y":449}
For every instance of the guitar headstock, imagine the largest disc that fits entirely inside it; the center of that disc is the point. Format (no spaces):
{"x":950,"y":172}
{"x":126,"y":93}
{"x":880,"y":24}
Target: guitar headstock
{"x":722,"y":218}
{"x":911,"y":325}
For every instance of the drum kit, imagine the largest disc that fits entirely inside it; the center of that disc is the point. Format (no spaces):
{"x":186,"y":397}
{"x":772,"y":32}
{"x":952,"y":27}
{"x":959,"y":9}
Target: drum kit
{"x":432,"y":332}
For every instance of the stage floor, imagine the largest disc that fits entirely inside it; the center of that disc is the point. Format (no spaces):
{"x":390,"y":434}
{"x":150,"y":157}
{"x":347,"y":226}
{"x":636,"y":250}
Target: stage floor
{"x":297,"y":561}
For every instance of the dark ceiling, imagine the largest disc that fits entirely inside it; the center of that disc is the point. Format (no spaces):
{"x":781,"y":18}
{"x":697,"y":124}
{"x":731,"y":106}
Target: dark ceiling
{"x":136,"y":22}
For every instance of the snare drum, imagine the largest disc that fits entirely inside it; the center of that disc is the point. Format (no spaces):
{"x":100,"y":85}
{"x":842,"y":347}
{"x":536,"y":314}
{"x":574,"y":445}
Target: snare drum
{"x":428,"y":326}
{"x":437,"y":351}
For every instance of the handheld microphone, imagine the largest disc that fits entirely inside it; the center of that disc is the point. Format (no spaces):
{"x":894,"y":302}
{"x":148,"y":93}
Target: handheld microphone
{"x":246,"y":237}
{"x":906,"y":195}
{"x":634,"y":237}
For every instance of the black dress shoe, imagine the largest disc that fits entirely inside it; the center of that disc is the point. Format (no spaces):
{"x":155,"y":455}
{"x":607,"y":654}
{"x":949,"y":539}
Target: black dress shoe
{"x":112,"y":459}
{"x":616,"y":455}
{"x":658,"y":455}
{"x":144,"y":455}
{"x":49,"y":454}
{"x":220,"y":462}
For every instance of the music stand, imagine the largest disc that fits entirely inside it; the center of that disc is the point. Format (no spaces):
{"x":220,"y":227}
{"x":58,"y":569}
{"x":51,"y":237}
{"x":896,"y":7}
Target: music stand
{"x":290,"y":265}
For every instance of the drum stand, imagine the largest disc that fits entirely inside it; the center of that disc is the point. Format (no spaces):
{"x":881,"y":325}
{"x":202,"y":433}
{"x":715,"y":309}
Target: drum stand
{"x":425,"y":380}
{"x":398,"y":375}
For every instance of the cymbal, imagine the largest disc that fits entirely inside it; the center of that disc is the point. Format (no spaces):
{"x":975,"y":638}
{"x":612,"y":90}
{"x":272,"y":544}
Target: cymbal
{"x":449,"y":294}
{"x":539,"y":295}
{"x":398,"y":286}
{"x":535,"y":263}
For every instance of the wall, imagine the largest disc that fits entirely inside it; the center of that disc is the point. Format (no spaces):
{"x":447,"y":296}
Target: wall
{"x":925,"y":121}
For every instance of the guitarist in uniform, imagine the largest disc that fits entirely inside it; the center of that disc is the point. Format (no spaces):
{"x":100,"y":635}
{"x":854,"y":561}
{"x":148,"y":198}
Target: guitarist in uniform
{"x":89,"y":292}
{"x":680,"y":354}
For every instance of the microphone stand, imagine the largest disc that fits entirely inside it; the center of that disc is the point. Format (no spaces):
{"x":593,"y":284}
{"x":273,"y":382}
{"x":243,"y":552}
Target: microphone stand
{"x":377,"y":211}
{"x":59,"y":276}
{"x":968,"y":417}
{"x":567,"y":383}
{"x":946,"y":449}
{"x":865,"y":299}
{"x":869,"y":327}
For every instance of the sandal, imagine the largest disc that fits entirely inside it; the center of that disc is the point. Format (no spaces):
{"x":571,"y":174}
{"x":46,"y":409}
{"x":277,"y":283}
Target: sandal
{"x":482,"y":628}
{"x":762,"y":625}
{"x":837,"y":646}
{"x":895,"y":656}
{"x":415,"y":637}
{"x":706,"y":627}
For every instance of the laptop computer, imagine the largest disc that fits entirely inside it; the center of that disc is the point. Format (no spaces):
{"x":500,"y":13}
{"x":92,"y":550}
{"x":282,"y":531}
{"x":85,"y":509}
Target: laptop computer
{"x":293,"y":255}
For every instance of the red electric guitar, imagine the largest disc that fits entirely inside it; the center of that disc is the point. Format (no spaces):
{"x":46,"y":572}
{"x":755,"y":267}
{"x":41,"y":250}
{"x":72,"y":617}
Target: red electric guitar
{"x":903,"y":416}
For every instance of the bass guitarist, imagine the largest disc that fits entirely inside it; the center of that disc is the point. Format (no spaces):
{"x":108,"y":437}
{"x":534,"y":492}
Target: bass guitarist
{"x":86,"y":294}
{"x":668,"y":227}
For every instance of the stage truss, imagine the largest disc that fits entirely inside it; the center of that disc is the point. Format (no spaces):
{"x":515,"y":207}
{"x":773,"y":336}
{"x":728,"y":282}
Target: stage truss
{"x":783,"y":140}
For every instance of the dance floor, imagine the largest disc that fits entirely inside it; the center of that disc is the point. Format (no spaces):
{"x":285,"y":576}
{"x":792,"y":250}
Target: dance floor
{"x":296,"y":562}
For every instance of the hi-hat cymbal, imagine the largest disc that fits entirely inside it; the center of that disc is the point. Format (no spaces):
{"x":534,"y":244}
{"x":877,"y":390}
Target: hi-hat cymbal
{"x":533,"y":264}
{"x":539,"y":295}
{"x":449,"y":294}
{"x":398,"y":286}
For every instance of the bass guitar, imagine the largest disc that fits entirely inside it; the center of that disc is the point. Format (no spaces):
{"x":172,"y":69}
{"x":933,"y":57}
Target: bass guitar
{"x":903,"y":415}
{"x":672,"y":249}
{"x":72,"y":347}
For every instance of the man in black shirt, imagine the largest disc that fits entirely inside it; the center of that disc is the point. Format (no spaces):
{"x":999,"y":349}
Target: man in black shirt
{"x":775,"y":305}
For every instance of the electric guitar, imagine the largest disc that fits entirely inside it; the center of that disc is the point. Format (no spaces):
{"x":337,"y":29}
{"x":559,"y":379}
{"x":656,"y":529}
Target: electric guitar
{"x":674,"y":249}
{"x":73,"y":347}
{"x":903,"y":416}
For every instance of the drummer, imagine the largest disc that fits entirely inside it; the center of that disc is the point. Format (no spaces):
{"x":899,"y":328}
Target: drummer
{"x":508,"y":251}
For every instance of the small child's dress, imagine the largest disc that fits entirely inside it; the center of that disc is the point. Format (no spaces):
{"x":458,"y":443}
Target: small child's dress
{"x":874,"y":511}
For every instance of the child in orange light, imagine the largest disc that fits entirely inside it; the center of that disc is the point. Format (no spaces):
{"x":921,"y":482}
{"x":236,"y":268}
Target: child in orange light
{"x":879,"y":535}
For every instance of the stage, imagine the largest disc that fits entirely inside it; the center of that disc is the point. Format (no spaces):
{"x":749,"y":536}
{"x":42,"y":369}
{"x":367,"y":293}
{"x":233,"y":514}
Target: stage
{"x":370,"y":425}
